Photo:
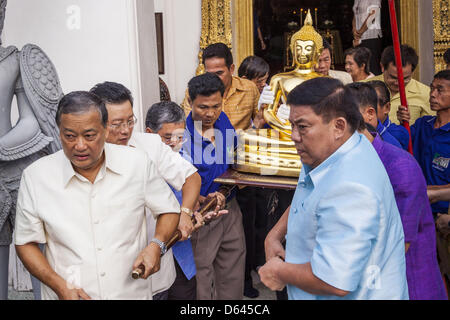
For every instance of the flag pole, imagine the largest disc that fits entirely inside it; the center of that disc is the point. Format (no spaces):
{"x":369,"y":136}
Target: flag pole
{"x":398,"y":62}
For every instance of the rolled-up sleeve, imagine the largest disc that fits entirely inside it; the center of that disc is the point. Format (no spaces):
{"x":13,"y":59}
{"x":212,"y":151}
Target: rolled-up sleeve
{"x":158,"y":196}
{"x":347,"y":226}
{"x":173,"y":167}
{"x":28,"y":227}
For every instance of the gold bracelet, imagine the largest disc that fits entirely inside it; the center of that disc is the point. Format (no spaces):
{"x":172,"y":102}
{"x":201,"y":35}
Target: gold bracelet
{"x":188,"y":211}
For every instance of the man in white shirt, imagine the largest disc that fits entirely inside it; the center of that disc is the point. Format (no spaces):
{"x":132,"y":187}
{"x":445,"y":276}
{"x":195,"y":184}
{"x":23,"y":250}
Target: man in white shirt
{"x":324,"y":65}
{"x":86,"y":203}
{"x":174,"y":169}
{"x":367,"y":30}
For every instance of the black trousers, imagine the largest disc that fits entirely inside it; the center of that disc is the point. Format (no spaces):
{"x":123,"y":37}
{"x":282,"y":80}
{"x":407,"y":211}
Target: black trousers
{"x":283,"y":201}
{"x":375,"y":47}
{"x":261,"y":209}
{"x":182,"y":288}
{"x":254,"y":203}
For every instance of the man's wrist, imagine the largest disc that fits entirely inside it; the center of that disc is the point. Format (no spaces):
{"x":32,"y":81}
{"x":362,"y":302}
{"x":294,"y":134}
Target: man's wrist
{"x":187,"y":211}
{"x":160,"y":244}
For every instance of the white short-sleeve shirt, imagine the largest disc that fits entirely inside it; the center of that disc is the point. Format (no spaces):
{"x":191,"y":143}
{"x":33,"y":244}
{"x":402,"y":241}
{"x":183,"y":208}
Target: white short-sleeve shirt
{"x":93,"y":231}
{"x":174,"y":169}
{"x":361,"y":10}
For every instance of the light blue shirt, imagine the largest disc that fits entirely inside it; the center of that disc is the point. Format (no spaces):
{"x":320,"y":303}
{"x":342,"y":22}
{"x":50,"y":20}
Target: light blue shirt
{"x":344,"y":221}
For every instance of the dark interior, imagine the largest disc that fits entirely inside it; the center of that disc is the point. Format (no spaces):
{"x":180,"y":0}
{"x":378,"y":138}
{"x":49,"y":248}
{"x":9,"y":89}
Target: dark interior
{"x":278,"y":19}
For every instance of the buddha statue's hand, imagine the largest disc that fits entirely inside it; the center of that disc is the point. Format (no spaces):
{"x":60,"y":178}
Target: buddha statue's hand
{"x":283,"y":112}
{"x":267,"y":97}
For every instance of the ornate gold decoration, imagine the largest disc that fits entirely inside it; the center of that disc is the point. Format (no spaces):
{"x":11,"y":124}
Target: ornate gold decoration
{"x":409,"y":22}
{"x":242,"y":29}
{"x":441,"y":32}
{"x":271,"y":151}
{"x":306,"y":47}
{"x":306,"y":33}
{"x":216,"y":26}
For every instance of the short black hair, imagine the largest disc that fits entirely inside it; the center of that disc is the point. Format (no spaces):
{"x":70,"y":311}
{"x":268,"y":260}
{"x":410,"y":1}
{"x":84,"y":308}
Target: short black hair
{"x":361,"y":55}
{"x":205,"y":85}
{"x":409,"y":56}
{"x":326,"y":45}
{"x":447,"y":56}
{"x":78,"y":102}
{"x":218,"y":50}
{"x":112,"y":92}
{"x":444,"y":74}
{"x":163,"y":112}
{"x":253,"y":67}
{"x":328,"y":98}
{"x":365,"y":95}
{"x":384,"y":96}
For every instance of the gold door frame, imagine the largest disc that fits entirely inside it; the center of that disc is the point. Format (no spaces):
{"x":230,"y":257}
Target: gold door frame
{"x":441,"y":32}
{"x":242,"y":30}
{"x":216,"y":26}
{"x":409,"y":27}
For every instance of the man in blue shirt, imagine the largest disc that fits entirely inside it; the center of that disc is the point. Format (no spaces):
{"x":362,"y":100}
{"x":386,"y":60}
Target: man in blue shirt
{"x":368,"y":105}
{"x":384,"y":107}
{"x":431,"y":138}
{"x":219,"y":247}
{"x":344,"y":236}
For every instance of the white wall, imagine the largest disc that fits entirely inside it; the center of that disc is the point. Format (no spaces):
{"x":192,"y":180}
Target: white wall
{"x":90,"y":41}
{"x":182,"y":30}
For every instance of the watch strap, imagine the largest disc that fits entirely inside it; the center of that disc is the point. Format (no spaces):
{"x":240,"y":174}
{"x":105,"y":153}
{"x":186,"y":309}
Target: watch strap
{"x":187,"y":211}
{"x":161,"y":244}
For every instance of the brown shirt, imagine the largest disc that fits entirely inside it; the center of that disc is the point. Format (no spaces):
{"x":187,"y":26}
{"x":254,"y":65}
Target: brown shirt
{"x":240,"y":104}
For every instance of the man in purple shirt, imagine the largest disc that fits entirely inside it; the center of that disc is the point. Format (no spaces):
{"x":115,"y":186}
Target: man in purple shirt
{"x":410,"y":190}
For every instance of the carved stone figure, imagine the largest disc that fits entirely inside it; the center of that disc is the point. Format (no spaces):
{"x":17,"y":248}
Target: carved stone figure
{"x":30,"y":76}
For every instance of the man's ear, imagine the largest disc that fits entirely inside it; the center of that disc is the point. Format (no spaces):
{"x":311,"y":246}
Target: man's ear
{"x":340,"y":125}
{"x":232,"y":69}
{"x":148,"y":130}
{"x":382,"y":67}
{"x":388,"y":107}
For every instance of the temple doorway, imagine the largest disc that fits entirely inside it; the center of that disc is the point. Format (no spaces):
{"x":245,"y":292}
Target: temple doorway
{"x":279,"y":19}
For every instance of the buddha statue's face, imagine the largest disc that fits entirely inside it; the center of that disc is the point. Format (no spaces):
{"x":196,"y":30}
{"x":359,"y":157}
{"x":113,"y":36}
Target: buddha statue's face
{"x":304,"y":51}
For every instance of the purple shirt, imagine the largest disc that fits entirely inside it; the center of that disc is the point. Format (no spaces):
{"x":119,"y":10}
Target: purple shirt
{"x":410,"y":189}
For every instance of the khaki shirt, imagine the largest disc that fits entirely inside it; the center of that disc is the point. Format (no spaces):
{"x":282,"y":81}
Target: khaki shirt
{"x":240,"y":104}
{"x":417,"y":96}
{"x":93,"y":231}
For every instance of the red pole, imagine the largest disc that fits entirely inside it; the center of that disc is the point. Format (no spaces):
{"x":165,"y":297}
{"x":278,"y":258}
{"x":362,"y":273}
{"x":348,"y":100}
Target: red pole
{"x":398,"y":62}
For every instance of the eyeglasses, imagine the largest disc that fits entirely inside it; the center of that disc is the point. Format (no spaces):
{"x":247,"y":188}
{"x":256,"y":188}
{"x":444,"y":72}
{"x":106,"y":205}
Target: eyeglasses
{"x":126,"y":125}
{"x":173,"y":138}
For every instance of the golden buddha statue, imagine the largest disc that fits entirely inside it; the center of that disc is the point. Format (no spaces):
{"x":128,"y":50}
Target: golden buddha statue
{"x":271,"y":151}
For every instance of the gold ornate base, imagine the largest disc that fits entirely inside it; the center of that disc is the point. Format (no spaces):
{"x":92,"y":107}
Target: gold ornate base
{"x":262,"y":152}
{"x":266,"y":170}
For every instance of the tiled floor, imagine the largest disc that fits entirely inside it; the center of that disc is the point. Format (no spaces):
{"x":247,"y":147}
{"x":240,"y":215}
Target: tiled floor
{"x":264,"y":292}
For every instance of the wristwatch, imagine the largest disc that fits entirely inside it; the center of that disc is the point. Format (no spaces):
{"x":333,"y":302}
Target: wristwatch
{"x":188,"y":211}
{"x":161,"y":244}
